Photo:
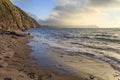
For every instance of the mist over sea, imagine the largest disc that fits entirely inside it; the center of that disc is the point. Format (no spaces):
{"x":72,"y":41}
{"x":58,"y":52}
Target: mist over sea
{"x":102,"y":44}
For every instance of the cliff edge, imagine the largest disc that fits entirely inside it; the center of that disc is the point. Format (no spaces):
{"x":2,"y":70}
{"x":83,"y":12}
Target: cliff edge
{"x":13,"y":18}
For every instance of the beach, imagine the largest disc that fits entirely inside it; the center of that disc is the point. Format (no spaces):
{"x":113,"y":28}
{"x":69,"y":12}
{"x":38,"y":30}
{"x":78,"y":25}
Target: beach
{"x":90,"y":53}
{"x":17,"y":64}
{"x":59,"y":40}
{"x":27,"y":57}
{"x":84,"y":65}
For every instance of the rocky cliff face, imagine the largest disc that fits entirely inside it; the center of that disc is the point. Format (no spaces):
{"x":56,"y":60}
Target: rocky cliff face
{"x":13,"y":18}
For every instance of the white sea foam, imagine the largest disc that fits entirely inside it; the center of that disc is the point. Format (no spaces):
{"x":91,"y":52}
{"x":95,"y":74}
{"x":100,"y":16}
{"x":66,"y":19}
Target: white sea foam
{"x":83,"y":43}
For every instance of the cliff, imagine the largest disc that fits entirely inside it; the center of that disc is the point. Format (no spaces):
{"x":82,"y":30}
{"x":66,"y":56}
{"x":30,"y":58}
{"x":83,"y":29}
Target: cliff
{"x":13,"y":18}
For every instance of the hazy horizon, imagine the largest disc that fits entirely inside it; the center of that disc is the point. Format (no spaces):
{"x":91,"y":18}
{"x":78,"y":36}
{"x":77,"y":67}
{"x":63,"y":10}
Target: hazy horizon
{"x":102,"y":13}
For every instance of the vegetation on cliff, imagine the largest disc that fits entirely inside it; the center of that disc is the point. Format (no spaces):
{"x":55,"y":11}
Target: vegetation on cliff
{"x":13,"y":18}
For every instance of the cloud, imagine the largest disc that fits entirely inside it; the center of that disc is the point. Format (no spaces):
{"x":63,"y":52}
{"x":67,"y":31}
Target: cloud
{"x":104,"y":2}
{"x":84,"y":12}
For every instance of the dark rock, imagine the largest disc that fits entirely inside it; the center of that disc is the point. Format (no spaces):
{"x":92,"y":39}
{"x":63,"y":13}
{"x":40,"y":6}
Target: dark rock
{"x":14,"y":37}
{"x":31,"y":75}
{"x":7,"y":79}
{"x":1,"y":66}
{"x":48,"y":75}
{"x":6,"y":57}
{"x":40,"y":77}
{"x":14,"y":34}
{"x":92,"y":77}
{"x":1,"y":58}
{"x":28,"y":33}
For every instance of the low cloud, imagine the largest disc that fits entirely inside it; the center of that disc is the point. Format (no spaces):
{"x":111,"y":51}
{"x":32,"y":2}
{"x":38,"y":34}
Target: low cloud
{"x":84,"y":12}
{"x":104,"y":2}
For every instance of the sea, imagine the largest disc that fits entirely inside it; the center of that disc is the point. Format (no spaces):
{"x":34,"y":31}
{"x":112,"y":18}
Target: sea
{"x":98,"y":43}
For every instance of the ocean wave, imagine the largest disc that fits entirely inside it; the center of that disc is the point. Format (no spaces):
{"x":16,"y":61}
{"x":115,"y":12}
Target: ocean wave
{"x":100,"y":44}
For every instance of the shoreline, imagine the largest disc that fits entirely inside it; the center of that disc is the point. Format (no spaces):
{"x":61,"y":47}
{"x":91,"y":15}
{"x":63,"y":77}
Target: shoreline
{"x":17,"y":64}
{"x":85,"y":65}
{"x":76,"y":63}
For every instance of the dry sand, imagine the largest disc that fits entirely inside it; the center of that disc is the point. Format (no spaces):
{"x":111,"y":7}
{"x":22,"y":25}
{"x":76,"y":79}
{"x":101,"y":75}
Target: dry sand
{"x":16,"y":64}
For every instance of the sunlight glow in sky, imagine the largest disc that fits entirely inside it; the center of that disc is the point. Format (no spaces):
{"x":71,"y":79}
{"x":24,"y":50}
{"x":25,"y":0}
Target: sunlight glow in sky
{"x":103,"y":13}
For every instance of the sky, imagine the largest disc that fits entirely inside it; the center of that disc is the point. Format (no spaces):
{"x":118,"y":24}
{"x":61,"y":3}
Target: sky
{"x":102,"y":13}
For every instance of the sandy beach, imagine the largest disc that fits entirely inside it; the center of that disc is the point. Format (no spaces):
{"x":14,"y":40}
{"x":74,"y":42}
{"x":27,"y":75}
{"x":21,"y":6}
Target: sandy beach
{"x":17,"y":64}
{"x":80,"y":54}
{"x":59,"y":40}
{"x":84,"y":65}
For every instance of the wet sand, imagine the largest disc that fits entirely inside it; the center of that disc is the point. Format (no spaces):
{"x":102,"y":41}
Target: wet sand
{"x":17,"y":64}
{"x":76,"y":63}
{"x":84,"y":65}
